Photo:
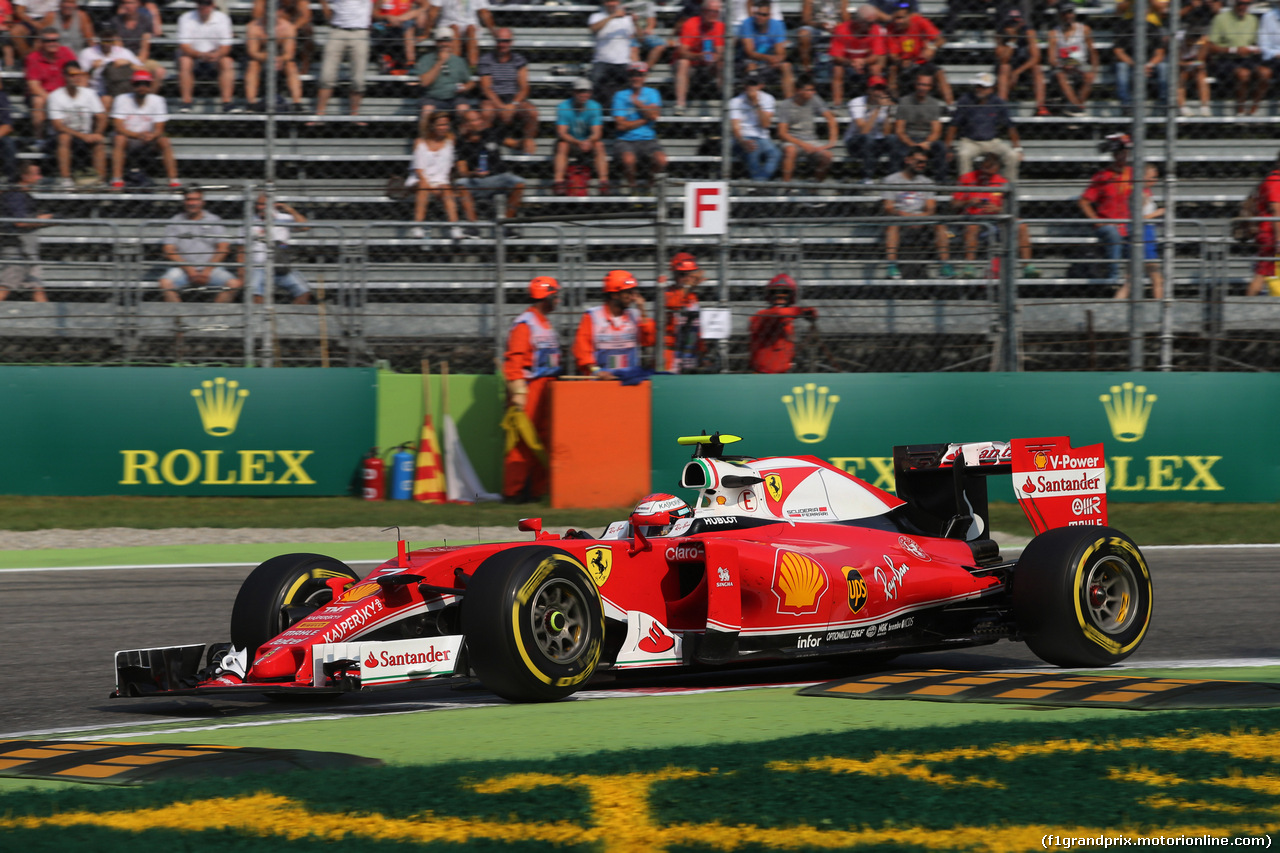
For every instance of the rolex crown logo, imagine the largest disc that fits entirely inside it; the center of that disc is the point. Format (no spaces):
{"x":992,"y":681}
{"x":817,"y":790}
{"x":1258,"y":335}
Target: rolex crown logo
{"x":810,"y":408}
{"x":1128,"y":408}
{"x":219,"y":402}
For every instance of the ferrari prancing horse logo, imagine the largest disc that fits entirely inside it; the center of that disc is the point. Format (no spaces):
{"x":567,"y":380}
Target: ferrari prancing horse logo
{"x":773,"y":482}
{"x":599,"y":564}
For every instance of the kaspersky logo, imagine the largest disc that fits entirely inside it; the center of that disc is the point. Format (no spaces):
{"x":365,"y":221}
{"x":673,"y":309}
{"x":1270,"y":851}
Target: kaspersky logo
{"x":1128,"y":408}
{"x":811,"y":409}
{"x":219,"y":402}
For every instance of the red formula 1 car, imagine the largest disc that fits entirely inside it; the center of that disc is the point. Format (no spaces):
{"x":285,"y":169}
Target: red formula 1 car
{"x":782,"y":558}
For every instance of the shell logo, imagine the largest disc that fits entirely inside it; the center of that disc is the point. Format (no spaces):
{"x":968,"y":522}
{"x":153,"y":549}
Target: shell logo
{"x":359,"y":591}
{"x":1040,"y":460}
{"x":799,"y":583}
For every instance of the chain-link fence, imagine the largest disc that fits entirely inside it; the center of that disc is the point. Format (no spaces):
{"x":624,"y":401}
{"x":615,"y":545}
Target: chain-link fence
{"x":391,"y":272}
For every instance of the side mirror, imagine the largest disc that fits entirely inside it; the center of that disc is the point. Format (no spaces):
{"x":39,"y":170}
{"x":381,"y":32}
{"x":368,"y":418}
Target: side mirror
{"x":654,"y":519}
{"x":530,"y":525}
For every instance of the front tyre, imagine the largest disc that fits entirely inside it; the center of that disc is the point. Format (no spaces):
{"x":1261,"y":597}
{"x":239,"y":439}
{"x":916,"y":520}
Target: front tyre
{"x":1082,"y":596}
{"x":533,"y":623}
{"x":280,"y":592}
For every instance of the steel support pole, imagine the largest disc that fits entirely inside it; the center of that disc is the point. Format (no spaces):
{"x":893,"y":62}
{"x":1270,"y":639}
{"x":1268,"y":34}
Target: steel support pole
{"x":499,"y":290}
{"x":1137,"y":199}
{"x":1009,"y":281}
{"x":1168,"y":249}
{"x":246,"y":239}
{"x":660,"y":267}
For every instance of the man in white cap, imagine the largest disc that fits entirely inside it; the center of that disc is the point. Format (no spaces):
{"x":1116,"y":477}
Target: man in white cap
{"x":580,"y":136}
{"x":980,"y":117}
{"x":444,"y":78}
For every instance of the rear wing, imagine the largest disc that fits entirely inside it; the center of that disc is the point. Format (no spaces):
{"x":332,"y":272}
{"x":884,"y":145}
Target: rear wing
{"x":1055,"y":485}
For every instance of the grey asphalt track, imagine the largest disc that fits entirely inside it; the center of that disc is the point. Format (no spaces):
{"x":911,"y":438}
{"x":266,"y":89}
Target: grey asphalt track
{"x":59,"y":630}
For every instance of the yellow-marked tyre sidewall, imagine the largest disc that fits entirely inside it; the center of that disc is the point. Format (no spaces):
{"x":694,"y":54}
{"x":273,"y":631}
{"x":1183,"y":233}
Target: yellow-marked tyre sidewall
{"x":289,"y":579}
{"x":1049,"y":596}
{"x":496,"y":622}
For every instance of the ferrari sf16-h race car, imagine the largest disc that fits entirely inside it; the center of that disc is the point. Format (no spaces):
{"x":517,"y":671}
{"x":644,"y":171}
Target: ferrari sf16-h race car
{"x":782,"y":558}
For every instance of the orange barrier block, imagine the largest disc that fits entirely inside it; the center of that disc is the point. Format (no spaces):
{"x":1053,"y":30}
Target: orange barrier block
{"x":600,"y":440}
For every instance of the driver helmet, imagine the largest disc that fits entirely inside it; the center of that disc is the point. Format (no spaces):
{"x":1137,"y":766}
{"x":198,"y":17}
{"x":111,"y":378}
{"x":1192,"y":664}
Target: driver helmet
{"x":656,"y":513}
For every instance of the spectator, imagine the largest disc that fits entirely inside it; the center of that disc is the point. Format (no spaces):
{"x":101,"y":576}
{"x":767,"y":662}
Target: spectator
{"x":580,"y":137}
{"x":1266,"y":202}
{"x":299,"y":14}
{"x":29,"y":19}
{"x":139,"y":120}
{"x":445,"y":78}
{"x":73,"y":24}
{"x":871,"y":124}
{"x":286,"y":65}
{"x":1150,"y":256}
{"x":738,"y":12}
{"x":858,"y":52}
{"x":8,"y":151}
{"x":980,"y":117}
{"x":1122,"y":51}
{"x":919,"y":128}
{"x":204,"y":51}
{"x":19,"y":245}
{"x":1233,"y":44}
{"x":607,"y":344}
{"x":196,"y":243}
{"x":913,"y":43}
{"x":349,"y":22}
{"x":1073,"y":61}
{"x":797,"y":120}
{"x":682,"y":342}
{"x":763,"y":48}
{"x":394,"y":31}
{"x":1107,"y":197}
{"x":615,"y":30}
{"x":44,"y":75}
{"x":431,"y":172}
{"x":772,"y":336}
{"x":647,"y":45}
{"x":286,"y":218}
{"x":464,"y":17}
{"x":110,"y":65}
{"x":1191,"y":70}
{"x":750,"y":117}
{"x":1198,"y":15}
{"x":635,"y":118}
{"x":819,"y":21}
{"x":6,"y":38}
{"x":979,"y":205}
{"x":529,"y":365}
{"x":482,"y":171}
{"x":1269,"y":41}
{"x":134,"y":25}
{"x":700,"y":48}
{"x":1018,"y":54}
{"x":914,"y":199}
{"x":79,"y":124}
{"x":504,"y":83}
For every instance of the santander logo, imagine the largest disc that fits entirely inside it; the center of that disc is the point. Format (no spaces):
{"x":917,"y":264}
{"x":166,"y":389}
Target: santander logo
{"x":657,"y":641}
{"x":371,"y":661}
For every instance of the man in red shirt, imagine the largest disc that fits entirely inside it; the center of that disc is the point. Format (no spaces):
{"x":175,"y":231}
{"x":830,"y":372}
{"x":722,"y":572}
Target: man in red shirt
{"x":858,"y":51}
{"x":44,"y":75}
{"x":531,"y":362}
{"x":1107,"y":197}
{"x":773,"y":340}
{"x":700,"y":45}
{"x":913,"y":42}
{"x":980,"y":203}
{"x":1268,"y":204}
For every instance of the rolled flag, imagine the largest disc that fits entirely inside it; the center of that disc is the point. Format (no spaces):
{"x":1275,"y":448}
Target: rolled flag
{"x":428,"y":478}
{"x":460,"y":476}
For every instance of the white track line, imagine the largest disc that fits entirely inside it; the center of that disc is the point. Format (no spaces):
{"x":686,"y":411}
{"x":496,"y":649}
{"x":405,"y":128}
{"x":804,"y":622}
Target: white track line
{"x":144,"y":566}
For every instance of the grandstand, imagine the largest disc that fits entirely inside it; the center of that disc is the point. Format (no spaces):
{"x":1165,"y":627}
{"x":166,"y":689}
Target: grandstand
{"x":388,"y":296}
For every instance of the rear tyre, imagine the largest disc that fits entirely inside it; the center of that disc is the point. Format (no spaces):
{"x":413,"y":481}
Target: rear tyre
{"x":280,"y":592}
{"x":533,"y":623}
{"x":1082,"y":596}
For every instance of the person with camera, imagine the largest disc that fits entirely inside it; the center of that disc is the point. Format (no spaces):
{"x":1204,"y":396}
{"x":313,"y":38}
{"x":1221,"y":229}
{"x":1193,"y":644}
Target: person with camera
{"x":274,"y":235}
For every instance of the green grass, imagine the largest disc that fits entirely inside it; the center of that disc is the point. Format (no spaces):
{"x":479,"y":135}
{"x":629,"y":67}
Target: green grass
{"x":1147,"y":523}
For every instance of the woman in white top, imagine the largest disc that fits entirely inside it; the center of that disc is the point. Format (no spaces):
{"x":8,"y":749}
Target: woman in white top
{"x":431,"y":170}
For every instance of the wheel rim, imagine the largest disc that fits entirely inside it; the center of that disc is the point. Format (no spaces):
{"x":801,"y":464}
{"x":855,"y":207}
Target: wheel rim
{"x":314,"y":598}
{"x":559,"y":620}
{"x":1111,"y":595}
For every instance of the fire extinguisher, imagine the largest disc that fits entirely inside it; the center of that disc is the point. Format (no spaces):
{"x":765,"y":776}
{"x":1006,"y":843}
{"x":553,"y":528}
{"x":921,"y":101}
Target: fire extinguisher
{"x":402,"y":466}
{"x":373,"y":476}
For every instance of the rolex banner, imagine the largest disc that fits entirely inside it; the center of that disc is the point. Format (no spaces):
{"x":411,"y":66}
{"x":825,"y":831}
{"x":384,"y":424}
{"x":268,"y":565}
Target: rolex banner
{"x":1168,"y":436}
{"x":184,"y":431}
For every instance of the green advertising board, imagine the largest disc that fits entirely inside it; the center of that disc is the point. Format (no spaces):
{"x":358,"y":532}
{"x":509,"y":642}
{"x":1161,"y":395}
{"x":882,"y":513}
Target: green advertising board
{"x":1168,"y":436}
{"x":184,"y":431}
